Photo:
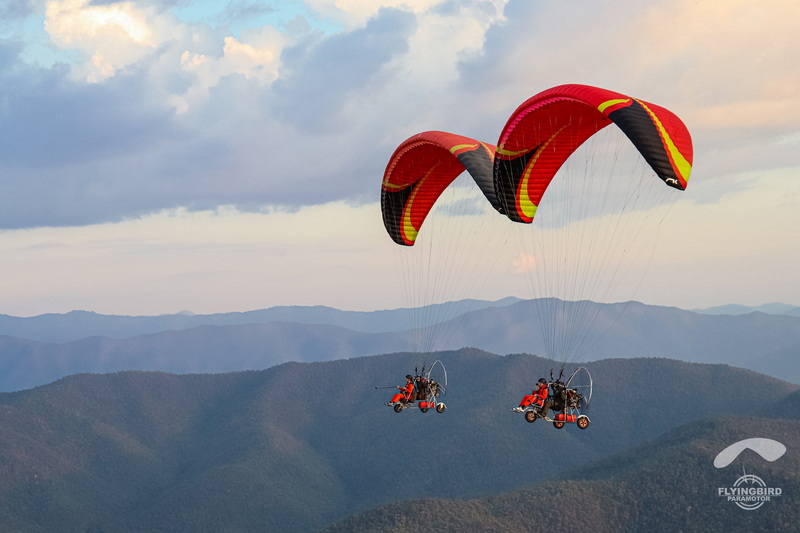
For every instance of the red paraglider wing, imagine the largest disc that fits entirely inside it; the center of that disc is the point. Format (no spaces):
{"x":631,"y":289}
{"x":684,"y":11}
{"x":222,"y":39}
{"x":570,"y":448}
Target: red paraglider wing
{"x":547,"y":128}
{"x":420,"y":169}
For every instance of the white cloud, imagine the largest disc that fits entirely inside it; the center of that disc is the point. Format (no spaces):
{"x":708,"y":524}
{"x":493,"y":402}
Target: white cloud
{"x":112,"y":36}
{"x":117,"y":35}
{"x":194,"y":114}
{"x":256,"y":56}
{"x":524,"y":263}
{"x":355,"y":13}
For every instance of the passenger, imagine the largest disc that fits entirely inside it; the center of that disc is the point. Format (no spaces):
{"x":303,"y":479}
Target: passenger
{"x":405,"y":393}
{"x":537,"y":397}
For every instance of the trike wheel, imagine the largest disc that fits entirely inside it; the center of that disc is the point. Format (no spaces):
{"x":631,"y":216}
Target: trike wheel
{"x":530,"y":416}
{"x":398,"y":407}
{"x":558,"y":425}
{"x":440,"y":407}
{"x":583,"y":422}
{"x":423,"y":409}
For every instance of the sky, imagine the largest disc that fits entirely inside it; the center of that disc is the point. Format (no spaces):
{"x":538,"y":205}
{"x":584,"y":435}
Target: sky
{"x":160,"y":156}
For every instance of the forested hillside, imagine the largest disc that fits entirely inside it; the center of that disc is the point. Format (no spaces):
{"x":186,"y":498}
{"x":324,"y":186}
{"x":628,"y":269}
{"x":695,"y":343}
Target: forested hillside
{"x":301,"y":446}
{"x":667,"y":484}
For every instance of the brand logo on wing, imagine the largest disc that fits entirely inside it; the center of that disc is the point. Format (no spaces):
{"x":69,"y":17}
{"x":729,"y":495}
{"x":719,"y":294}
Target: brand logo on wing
{"x":749,"y":491}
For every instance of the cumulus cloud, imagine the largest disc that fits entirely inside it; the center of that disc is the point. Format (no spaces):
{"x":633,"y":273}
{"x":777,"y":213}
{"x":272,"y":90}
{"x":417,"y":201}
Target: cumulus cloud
{"x":112,"y":36}
{"x":153,"y":112}
{"x":523,"y":263}
{"x":255,"y":56}
{"x":355,"y":13}
{"x":159,"y":112}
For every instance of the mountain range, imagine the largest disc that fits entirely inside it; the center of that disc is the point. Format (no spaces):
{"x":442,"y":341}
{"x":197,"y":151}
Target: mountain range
{"x":765,"y":343}
{"x":301,"y":447}
{"x":76,"y":325}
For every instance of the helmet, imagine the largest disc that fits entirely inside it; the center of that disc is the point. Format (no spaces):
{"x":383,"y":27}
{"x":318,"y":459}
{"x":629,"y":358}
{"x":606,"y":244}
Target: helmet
{"x":409,"y":376}
{"x":542,"y":380}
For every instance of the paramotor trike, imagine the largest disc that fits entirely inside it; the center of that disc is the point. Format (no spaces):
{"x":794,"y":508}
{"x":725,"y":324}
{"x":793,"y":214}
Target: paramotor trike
{"x":429,"y":388}
{"x":568,"y":399}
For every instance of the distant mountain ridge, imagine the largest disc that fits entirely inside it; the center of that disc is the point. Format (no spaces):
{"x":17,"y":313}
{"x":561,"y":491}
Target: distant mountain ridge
{"x":736,"y":309}
{"x":77,"y":325}
{"x":764,"y":343}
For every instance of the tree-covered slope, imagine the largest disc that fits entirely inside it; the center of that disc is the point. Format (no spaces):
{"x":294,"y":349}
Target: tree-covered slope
{"x":303,"y":445}
{"x":668,"y":484}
